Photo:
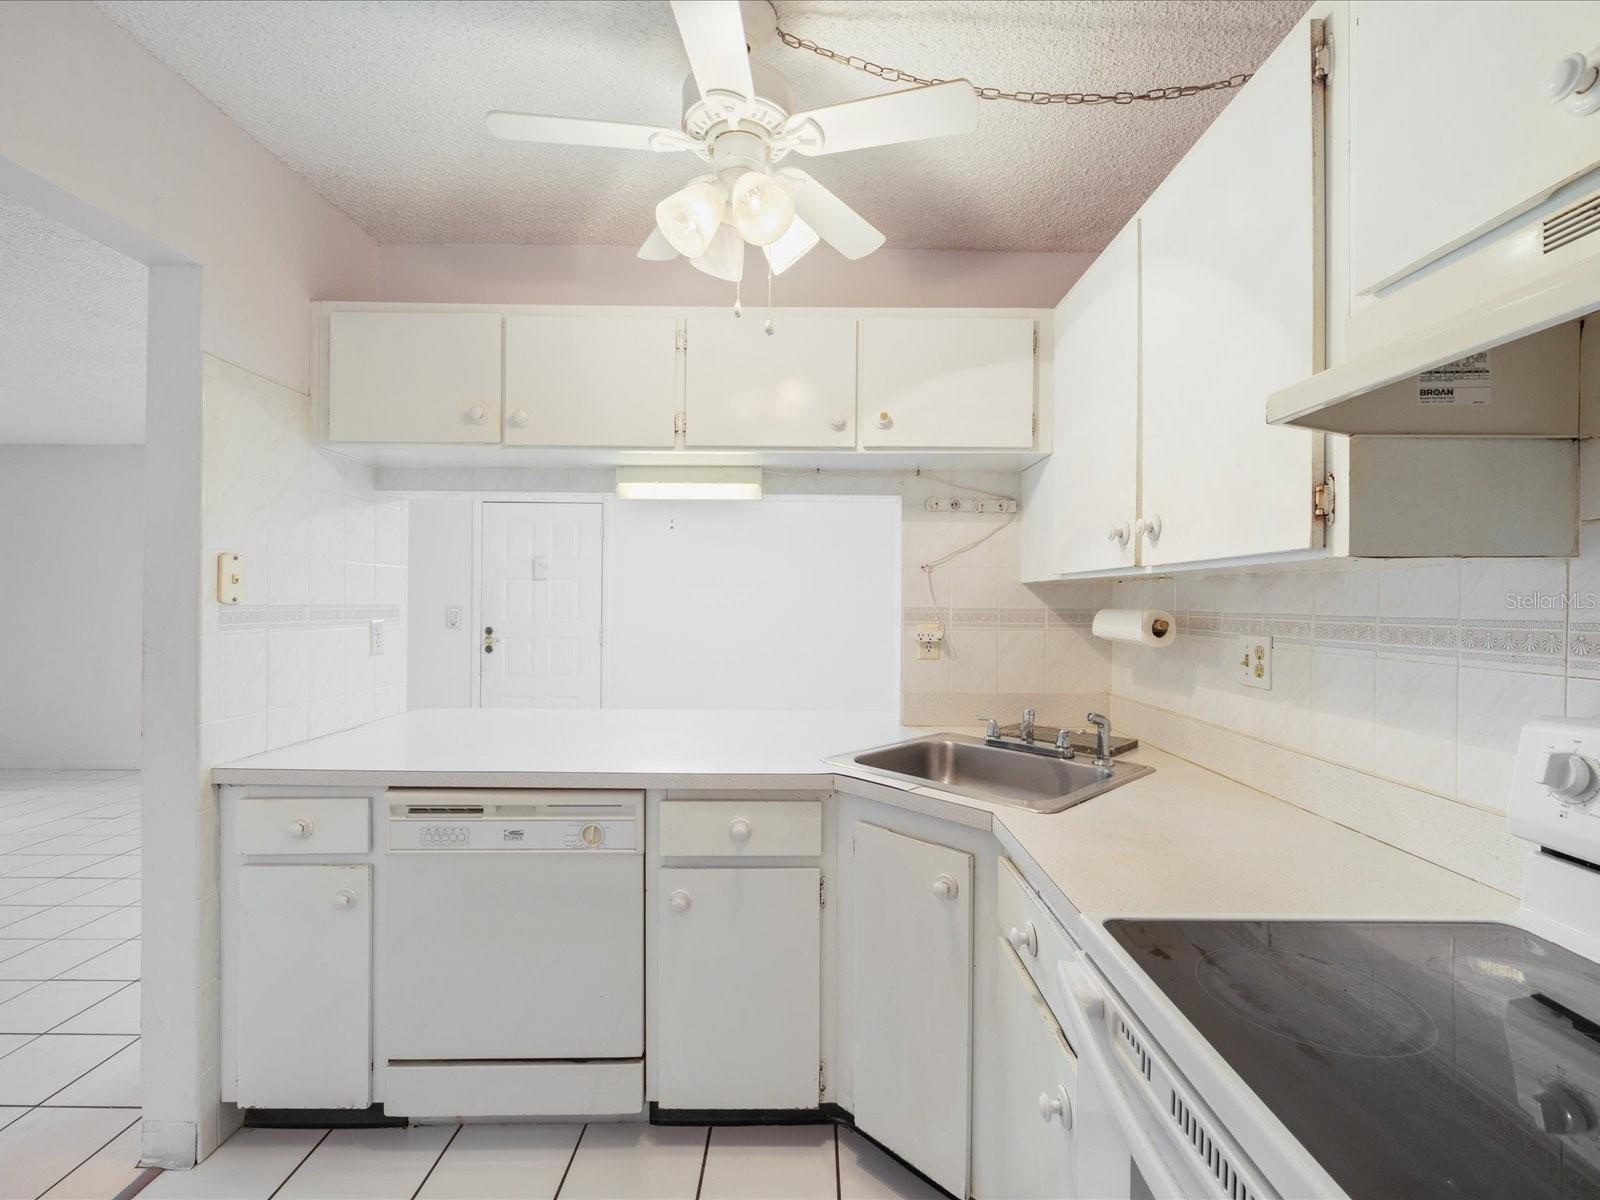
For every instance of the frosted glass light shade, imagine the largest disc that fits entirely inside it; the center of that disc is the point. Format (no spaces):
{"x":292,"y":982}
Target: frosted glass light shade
{"x":762,"y":208}
{"x":794,"y":245}
{"x":690,"y":217}
{"x":724,"y":257}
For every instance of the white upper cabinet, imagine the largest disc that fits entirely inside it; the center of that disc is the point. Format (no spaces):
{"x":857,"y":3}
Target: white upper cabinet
{"x":413,"y":377}
{"x":931,"y":382}
{"x":1232,"y":310}
{"x":1450,"y":130}
{"x":794,"y":388}
{"x":591,"y":380}
{"x":1096,"y":494}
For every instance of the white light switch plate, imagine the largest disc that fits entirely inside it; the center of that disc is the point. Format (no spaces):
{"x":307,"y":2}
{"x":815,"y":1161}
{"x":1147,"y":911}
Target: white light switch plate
{"x":374,"y":637}
{"x":1252,"y":661}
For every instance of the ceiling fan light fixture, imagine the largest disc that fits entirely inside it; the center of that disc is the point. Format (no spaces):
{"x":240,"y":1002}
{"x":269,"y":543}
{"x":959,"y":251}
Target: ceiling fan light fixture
{"x":723,"y":257}
{"x":763,"y":209}
{"x":796,"y":242}
{"x":691,"y":217}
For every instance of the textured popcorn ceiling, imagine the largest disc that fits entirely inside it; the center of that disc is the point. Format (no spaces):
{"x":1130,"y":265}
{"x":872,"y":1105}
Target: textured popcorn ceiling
{"x":72,"y":336}
{"x":380,"y":106}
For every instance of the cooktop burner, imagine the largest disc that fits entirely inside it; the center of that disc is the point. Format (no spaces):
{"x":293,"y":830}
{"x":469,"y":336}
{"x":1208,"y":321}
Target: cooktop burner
{"x":1411,"y":1059}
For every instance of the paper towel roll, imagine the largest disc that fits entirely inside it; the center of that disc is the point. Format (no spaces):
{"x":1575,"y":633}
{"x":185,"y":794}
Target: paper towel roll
{"x":1147,"y":626}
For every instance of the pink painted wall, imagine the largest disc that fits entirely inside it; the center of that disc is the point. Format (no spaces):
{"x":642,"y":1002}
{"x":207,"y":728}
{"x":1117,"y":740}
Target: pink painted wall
{"x":614,"y":275}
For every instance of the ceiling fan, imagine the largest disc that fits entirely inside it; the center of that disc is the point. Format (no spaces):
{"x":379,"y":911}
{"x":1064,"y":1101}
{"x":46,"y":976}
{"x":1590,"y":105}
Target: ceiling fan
{"x":738,"y":116}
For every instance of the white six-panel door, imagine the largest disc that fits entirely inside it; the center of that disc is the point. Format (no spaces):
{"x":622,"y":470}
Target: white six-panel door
{"x":539,"y":573}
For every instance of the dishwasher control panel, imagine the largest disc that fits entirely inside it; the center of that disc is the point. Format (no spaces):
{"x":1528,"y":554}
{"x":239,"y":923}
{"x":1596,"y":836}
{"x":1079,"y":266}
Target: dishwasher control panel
{"x":513,"y":820}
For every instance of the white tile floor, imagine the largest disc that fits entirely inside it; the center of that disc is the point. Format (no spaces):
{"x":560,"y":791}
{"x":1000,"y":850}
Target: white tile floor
{"x":69,"y":984}
{"x":69,"y":1068}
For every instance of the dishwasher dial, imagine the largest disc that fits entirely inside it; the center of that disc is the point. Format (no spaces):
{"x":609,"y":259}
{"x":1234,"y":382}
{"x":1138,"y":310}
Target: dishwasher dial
{"x":592,"y":835}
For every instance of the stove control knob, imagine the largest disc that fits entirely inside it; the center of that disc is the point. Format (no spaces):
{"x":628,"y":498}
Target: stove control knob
{"x":592,"y":835}
{"x":1571,"y":778}
{"x":1562,"y":1109}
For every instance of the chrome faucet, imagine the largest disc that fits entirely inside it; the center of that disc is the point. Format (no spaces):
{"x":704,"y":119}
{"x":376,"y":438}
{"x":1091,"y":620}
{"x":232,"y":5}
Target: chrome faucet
{"x":1025,"y":730}
{"x":1102,"y":739}
{"x":992,"y":732}
{"x":1064,"y":744}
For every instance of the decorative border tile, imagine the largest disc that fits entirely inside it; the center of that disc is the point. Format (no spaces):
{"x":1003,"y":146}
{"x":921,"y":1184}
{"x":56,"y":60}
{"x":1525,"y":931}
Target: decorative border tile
{"x":292,"y":616}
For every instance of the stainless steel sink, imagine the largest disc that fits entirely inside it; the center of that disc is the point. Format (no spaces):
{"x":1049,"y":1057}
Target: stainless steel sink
{"x":1036,"y":780}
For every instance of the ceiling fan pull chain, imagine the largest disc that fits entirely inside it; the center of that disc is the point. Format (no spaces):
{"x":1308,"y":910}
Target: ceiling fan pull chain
{"x":770,"y":329}
{"x":738,"y":304}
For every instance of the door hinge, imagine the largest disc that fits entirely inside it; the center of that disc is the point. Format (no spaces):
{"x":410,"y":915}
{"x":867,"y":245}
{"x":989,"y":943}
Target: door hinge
{"x":680,"y":340}
{"x":1321,"y":60}
{"x":1036,"y":339}
{"x":1322,"y":500}
{"x":680,"y":422}
{"x":822,"y":1078}
{"x":822,"y":890}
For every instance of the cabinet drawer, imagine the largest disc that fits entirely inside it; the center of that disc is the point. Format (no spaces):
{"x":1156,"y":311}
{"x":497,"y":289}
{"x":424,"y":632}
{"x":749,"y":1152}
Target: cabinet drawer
{"x":742,"y":829}
{"x":1033,"y":931}
{"x":304,"y":825}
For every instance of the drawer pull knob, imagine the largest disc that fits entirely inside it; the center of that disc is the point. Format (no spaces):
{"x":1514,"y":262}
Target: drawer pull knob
{"x":679,"y":901}
{"x":946,"y":888}
{"x":477,"y":415}
{"x":344,"y":898}
{"x":1059,"y":1105}
{"x":301,"y":827}
{"x":739,"y":831}
{"x":1024,"y":939}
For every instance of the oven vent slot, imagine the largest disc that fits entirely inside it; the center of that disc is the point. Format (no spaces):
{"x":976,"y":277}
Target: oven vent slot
{"x":444,"y":810}
{"x":1134,"y":1045}
{"x":1567,"y":226}
{"x":1211,"y":1153}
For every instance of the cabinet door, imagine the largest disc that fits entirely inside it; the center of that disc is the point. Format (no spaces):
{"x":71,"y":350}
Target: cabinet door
{"x":591,"y":381}
{"x":1036,"y":1085}
{"x":1230,"y":245}
{"x":1097,"y":412}
{"x":911,"y":1003}
{"x":794,"y":388}
{"x":738,"y":988}
{"x":413,"y":377}
{"x":947,"y":381}
{"x":1450,"y":133}
{"x":304,"y":1035}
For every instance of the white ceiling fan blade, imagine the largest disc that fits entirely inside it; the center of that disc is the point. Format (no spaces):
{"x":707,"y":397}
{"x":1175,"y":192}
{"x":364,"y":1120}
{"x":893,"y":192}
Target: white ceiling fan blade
{"x":713,"y":35}
{"x":834,"y":221}
{"x":905,"y":116}
{"x":579,"y":131}
{"x":656,"y":248}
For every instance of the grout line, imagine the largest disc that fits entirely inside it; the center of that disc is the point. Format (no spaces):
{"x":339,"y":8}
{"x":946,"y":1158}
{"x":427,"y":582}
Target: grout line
{"x":570,"y":1160}
{"x":705,"y":1157}
{"x":96,"y":1150}
{"x":443,"y":1150}
{"x":317,"y":1145}
{"x":90,"y":1071}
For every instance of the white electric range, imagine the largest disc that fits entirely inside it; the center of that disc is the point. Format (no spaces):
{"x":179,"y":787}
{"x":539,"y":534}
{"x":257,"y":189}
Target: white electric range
{"x":1375,"y":1059}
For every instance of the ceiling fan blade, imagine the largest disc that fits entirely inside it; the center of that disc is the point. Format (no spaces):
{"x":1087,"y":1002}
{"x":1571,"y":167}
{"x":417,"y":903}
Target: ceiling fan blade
{"x":905,"y":116}
{"x":579,"y":131}
{"x":713,"y":35}
{"x":656,"y":248}
{"x":834,"y":221}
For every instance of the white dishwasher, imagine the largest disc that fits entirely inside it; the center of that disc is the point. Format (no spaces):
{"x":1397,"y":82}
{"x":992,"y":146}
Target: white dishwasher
{"x":513,"y":927}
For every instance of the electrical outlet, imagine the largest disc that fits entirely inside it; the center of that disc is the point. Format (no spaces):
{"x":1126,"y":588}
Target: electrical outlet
{"x":930,"y":641}
{"x":1252,"y":662}
{"x":452,"y":616}
{"x":957,"y":504}
{"x":374,"y":637}
{"x":993,"y":505}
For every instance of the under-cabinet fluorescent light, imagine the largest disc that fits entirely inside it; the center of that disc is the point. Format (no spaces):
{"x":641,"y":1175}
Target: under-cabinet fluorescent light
{"x":689,"y":483}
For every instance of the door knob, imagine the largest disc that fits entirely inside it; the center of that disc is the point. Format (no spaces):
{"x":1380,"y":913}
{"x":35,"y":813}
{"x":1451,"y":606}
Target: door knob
{"x":477,"y":415}
{"x":300,"y":827}
{"x":739,"y":831}
{"x":679,"y":901}
{"x":1056,"y":1106}
{"x":1118,"y":534}
{"x":946,"y":888}
{"x":344,"y":898}
{"x":1025,"y":939}
{"x":519,"y":419}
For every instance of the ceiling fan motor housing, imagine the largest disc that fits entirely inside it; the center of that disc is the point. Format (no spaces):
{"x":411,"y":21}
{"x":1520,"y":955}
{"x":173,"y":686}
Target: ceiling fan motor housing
{"x":768,"y":111}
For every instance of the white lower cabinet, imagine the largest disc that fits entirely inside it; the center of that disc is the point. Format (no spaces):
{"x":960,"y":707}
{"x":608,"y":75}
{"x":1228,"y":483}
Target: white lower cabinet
{"x":911,"y":1001}
{"x":304,"y":965}
{"x":738,"y":992}
{"x":1034,"y":1086}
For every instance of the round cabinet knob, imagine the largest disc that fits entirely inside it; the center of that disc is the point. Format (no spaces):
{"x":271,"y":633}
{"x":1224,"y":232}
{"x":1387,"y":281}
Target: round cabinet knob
{"x":1057,"y":1106}
{"x":1118,"y":534}
{"x":1571,"y":778}
{"x":1571,"y":83}
{"x":300,"y":827}
{"x":885,"y":420}
{"x":1024,"y":940}
{"x":679,"y":901}
{"x":477,"y":415}
{"x":837,"y":422}
{"x":519,"y":419}
{"x":1148,"y":528}
{"x":946,"y":888}
{"x":344,"y":898}
{"x":739,"y":831}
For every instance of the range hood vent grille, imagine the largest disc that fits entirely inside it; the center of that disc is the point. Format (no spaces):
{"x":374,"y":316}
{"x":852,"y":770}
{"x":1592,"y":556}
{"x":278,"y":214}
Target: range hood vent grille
{"x":1567,"y":226}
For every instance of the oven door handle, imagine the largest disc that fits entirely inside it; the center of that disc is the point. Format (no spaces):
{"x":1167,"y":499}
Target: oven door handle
{"x":1085,"y":1009}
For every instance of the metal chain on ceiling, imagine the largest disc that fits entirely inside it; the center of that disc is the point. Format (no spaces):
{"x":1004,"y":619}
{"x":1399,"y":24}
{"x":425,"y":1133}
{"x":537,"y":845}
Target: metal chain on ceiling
{"x":1178,"y":91}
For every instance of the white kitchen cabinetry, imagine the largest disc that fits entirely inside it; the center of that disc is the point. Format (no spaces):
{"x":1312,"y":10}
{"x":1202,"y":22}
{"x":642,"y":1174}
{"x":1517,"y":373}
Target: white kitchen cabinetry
{"x":1096,"y":466}
{"x":303,"y":958}
{"x":1451,"y":133}
{"x":1035,"y":1078}
{"x":591,"y":380}
{"x":931,"y":382}
{"x":413,"y":377}
{"x":739,"y":987}
{"x":796,"y":389}
{"x":911,"y":1002}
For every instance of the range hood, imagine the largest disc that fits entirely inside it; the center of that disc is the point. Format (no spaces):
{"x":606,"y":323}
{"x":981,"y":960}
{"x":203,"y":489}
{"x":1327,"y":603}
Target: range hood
{"x":1511,"y":363}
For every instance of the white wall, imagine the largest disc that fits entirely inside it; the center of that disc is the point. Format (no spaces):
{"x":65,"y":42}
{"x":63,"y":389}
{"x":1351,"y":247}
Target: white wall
{"x":71,"y":580}
{"x":440,"y":661}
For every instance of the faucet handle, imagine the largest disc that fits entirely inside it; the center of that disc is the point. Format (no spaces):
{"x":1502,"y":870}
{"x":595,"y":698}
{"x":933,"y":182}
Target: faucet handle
{"x":1028,"y":715}
{"x":992,"y":732}
{"x":1064,"y":743}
